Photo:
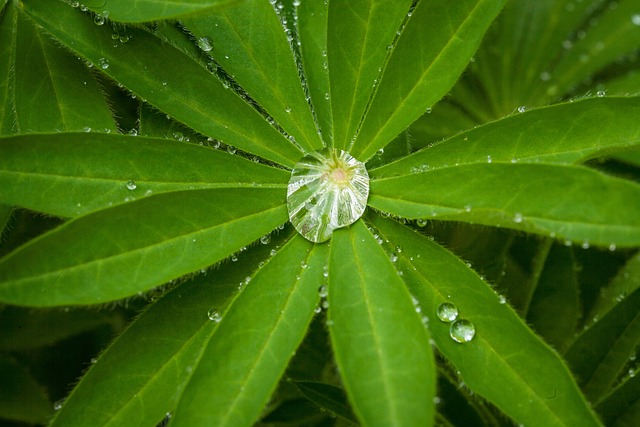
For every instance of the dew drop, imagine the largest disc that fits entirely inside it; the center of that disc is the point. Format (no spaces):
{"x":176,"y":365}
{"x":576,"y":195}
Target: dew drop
{"x":205,"y":44}
{"x":601,"y":93}
{"x":131,"y":185}
{"x":272,"y":252}
{"x":462,"y":331}
{"x":266,"y":239}
{"x":99,"y":19}
{"x":287,"y":109}
{"x":323,"y":291}
{"x":612,"y":247}
{"x":518,"y":218}
{"x":447,"y":312}
{"x":328,"y":189}
{"x":303,"y":264}
{"x":522,"y":109}
{"x":214,"y":315}
{"x":104,"y":63}
{"x":635,"y":19}
{"x":58,"y":405}
{"x":421,"y":223}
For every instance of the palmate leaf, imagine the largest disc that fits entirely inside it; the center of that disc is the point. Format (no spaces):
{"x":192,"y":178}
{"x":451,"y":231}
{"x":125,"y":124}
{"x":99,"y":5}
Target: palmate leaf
{"x":389,"y":375}
{"x":70,"y":174}
{"x":153,"y":10}
{"x":567,"y":202}
{"x":504,"y":354}
{"x":244,"y":359}
{"x":130,"y":248}
{"x":172,"y":81}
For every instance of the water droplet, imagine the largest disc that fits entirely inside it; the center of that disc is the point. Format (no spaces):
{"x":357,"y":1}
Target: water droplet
{"x":303,"y":264}
{"x":489,"y":159}
{"x":545,"y":76}
{"x":323,"y":291}
{"x":421,"y":222}
{"x":522,"y":109}
{"x":462,"y":331}
{"x":600,"y":93}
{"x":58,"y":405}
{"x":104,"y":63}
{"x":518,"y":218}
{"x":131,"y":185}
{"x":636,"y":19}
{"x":502,"y":299}
{"x":266,"y":239}
{"x":205,"y":44}
{"x":214,"y":315}
{"x":328,"y":189}
{"x":287,"y":109}
{"x":447,"y":312}
{"x":234,"y":258}
{"x":99,"y":19}
{"x":612,"y":247}
{"x":231,"y":149}
{"x":272,"y":252}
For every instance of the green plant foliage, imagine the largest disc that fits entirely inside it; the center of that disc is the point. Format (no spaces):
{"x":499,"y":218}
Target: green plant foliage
{"x":146,"y":150}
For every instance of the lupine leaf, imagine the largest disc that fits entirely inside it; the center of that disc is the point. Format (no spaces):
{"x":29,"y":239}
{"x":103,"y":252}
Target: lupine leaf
{"x":153,"y":10}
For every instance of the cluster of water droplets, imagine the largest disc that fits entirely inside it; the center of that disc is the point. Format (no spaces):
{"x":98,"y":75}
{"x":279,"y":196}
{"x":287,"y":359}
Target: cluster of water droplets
{"x":460,"y":330}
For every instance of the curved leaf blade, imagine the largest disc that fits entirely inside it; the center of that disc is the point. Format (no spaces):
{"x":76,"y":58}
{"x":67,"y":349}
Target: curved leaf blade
{"x":357,"y":38}
{"x":153,"y":10}
{"x":71,"y":174}
{"x":389,"y":376}
{"x":433,"y":49}
{"x":504,"y":354}
{"x":155,"y":70}
{"x":256,"y":337}
{"x":8,"y":23}
{"x":114,"y":253}
{"x":561,"y":134}
{"x":250,"y":43}
{"x":567,"y":202}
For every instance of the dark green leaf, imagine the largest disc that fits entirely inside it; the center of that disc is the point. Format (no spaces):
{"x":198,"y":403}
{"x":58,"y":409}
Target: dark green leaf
{"x":504,"y":354}
{"x":130,"y":248}
{"x":555,"y":307}
{"x":601,"y":352}
{"x":389,"y":376}
{"x":21,"y":397}
{"x":568,"y":202}
{"x":626,"y":282}
{"x":70,"y":174}
{"x":621,"y":407}
{"x":431,"y":52}
{"x":327,"y":397}
{"x":8,"y":24}
{"x":168,"y":79}
{"x":250,"y":43}
{"x":598,"y":126}
{"x":257,"y":335}
{"x":357,"y":39}
{"x":153,"y":10}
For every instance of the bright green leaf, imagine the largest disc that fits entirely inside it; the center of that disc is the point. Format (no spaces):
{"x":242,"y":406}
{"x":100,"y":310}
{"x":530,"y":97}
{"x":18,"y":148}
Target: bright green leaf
{"x":70,"y":174}
{"x":130,"y":248}
{"x":257,"y":335}
{"x":250,"y":43}
{"x":431,"y":52}
{"x":564,"y":134}
{"x":567,"y":202}
{"x":168,"y":79}
{"x":357,"y":39}
{"x":21,"y":397}
{"x":504,"y":354}
{"x":153,"y":10}
{"x":389,"y":376}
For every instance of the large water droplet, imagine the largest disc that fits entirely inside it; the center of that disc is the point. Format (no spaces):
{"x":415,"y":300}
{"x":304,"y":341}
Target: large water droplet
{"x":214,"y":315}
{"x":462,"y":331}
{"x":447,"y":312}
{"x":131,"y":185}
{"x":328,"y":189}
{"x":205,"y":44}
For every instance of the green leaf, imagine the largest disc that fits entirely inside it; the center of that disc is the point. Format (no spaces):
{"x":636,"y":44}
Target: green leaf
{"x":70,"y":174}
{"x":168,"y":79}
{"x":598,"y":126}
{"x":431,"y":52}
{"x":328,"y":397}
{"x":256,"y":337}
{"x":568,"y":202}
{"x":250,"y":43}
{"x":8,"y":24}
{"x":21,"y":397}
{"x":504,"y":354}
{"x":57,"y":83}
{"x":153,"y":10}
{"x":312,"y":33}
{"x":357,"y":38}
{"x":555,"y":307}
{"x":138,"y":379}
{"x":117,"y":252}
{"x":27,"y":328}
{"x":600,"y":353}
{"x":5,"y":215}
{"x":389,"y":376}
{"x":620,"y":408}
{"x":625,"y":283}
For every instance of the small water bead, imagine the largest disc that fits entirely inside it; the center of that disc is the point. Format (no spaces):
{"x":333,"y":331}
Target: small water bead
{"x":522,"y":109}
{"x":323,"y":291}
{"x":104,"y":63}
{"x":462,"y":331}
{"x":205,"y":44}
{"x":58,"y":405}
{"x":303,"y":264}
{"x":131,"y":185}
{"x":447,"y":312}
{"x":214,"y":315}
{"x":421,"y":223}
{"x":266,"y":239}
{"x":518,"y":218}
{"x":635,"y":19}
{"x":600,"y":93}
{"x":328,"y":190}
